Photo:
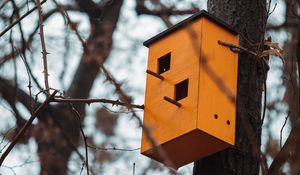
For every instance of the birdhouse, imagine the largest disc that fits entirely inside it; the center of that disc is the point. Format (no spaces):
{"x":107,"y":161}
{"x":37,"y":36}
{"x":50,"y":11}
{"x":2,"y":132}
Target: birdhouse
{"x":191,"y":85}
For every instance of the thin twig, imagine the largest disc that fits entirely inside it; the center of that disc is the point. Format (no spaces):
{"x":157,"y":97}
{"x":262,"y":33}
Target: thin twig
{"x":164,"y":12}
{"x":281,"y":130}
{"x":265,"y":95}
{"x":3,"y":4}
{"x":21,"y":18}
{"x":26,"y":126}
{"x":289,"y":148}
{"x":23,"y":54}
{"x":133,"y":171}
{"x":238,"y":48}
{"x":81,"y":169}
{"x":120,"y":112}
{"x":29,"y":82}
{"x":28,"y":69}
{"x":44,"y":51}
{"x":127,"y":100}
{"x":42,"y":91}
{"x":232,"y":46}
{"x":27,"y":162}
{"x":29,"y":41}
{"x":72,"y":24}
{"x":4,"y":137}
{"x":68,"y":140}
{"x":89,"y":101}
{"x":113,"y":149}
{"x":84,"y":138}
{"x":270,"y":12}
{"x":15,"y":87}
{"x":265,"y":68}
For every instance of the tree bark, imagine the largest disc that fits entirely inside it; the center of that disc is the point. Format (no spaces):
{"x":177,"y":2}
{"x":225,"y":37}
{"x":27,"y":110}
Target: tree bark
{"x":249,"y":18}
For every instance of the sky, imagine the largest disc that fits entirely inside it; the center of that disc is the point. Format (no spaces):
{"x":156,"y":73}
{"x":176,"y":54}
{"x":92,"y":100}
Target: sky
{"x":127,"y":63}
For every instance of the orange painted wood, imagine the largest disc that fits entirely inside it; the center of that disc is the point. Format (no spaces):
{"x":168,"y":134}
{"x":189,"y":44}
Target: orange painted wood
{"x":215,"y":97}
{"x":205,"y":121}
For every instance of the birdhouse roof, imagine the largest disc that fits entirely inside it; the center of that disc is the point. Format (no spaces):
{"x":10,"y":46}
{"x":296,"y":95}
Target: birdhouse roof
{"x":183,"y":23}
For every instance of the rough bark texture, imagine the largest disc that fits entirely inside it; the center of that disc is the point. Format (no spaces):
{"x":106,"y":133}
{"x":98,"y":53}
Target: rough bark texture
{"x":247,"y":17}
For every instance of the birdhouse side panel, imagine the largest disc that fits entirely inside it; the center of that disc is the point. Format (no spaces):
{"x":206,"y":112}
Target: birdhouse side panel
{"x":165,"y":120}
{"x":218,"y":83}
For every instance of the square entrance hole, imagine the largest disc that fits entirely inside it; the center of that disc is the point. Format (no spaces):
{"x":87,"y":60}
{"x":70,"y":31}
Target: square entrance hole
{"x":164,"y":63}
{"x":181,"y":90}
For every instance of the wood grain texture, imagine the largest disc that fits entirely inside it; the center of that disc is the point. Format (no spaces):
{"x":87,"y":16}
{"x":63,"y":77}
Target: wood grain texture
{"x":161,"y":116}
{"x":185,"y":132}
{"x":218,"y":83}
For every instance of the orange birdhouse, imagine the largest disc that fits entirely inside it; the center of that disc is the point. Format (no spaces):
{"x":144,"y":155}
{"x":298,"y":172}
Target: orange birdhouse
{"x":190,"y":109}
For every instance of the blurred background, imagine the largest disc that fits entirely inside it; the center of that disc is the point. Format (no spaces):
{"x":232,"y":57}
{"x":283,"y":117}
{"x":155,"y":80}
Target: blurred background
{"x":94,"y":47}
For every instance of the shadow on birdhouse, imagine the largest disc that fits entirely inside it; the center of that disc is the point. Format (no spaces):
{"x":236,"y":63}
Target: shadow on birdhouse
{"x":191,"y":87}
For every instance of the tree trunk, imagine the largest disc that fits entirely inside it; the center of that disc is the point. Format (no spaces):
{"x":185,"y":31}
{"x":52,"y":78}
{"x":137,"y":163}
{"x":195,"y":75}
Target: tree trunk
{"x":249,"y":18}
{"x":291,"y":71}
{"x":58,"y":133}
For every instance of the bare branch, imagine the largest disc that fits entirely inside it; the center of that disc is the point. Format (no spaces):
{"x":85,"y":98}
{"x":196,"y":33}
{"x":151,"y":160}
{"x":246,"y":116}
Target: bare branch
{"x":26,"y":126}
{"x":281,"y":130}
{"x":44,"y":51}
{"x":141,"y":9}
{"x":101,"y":37}
{"x":72,"y":24}
{"x":8,"y":93}
{"x":27,"y":44}
{"x":99,"y":100}
{"x":232,"y":47}
{"x":21,"y":18}
{"x":27,"y":162}
{"x":287,"y":150}
{"x":163,"y":12}
{"x":84,"y":137}
{"x":127,"y":100}
{"x":113,"y":149}
{"x":3,"y":4}
{"x":89,"y":7}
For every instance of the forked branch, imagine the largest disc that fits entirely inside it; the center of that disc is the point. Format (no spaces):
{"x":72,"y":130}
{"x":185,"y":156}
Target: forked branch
{"x":26,"y":126}
{"x":21,"y":18}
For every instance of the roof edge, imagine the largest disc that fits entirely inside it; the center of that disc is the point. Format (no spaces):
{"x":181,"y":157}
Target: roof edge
{"x":202,"y":13}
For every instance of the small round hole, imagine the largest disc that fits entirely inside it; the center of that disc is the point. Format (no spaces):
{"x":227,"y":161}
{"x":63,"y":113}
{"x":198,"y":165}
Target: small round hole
{"x":228,"y":122}
{"x":216,"y":116}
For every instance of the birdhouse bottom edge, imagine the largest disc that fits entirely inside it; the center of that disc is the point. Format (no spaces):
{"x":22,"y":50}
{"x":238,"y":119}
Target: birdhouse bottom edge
{"x":187,"y":148}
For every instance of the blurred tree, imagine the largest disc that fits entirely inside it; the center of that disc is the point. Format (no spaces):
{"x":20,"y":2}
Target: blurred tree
{"x":59,"y":127}
{"x":57,"y":132}
{"x":291,"y":70}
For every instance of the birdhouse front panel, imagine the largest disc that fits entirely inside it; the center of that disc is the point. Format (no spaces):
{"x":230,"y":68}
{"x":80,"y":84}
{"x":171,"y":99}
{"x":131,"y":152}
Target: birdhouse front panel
{"x":218,"y":83}
{"x":190,"y":99}
{"x":174,"y":58}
